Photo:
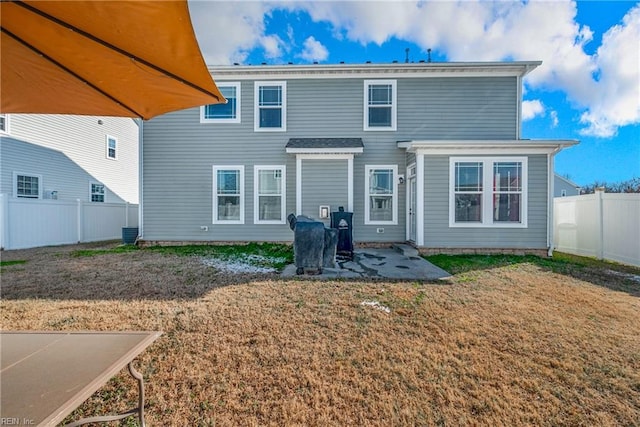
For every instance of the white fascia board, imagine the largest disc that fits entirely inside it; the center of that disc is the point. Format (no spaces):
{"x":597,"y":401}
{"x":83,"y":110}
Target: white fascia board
{"x":328,"y":71}
{"x":464,"y":147}
{"x":356,"y":150}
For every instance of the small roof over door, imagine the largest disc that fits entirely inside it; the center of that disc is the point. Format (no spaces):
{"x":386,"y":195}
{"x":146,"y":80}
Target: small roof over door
{"x":325,"y":146}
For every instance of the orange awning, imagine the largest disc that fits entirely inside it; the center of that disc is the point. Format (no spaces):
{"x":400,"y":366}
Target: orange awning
{"x":113,"y":58}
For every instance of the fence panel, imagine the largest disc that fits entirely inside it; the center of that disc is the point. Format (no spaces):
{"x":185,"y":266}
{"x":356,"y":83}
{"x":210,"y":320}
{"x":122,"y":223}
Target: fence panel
{"x":28,"y":223}
{"x":621,"y":227}
{"x":605,"y":226}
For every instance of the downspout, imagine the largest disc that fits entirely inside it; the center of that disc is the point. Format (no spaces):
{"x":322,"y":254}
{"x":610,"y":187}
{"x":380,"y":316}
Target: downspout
{"x":140,"y":179}
{"x":550,"y":190}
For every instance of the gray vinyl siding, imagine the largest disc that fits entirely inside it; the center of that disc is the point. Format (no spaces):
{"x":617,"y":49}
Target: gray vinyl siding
{"x":179,"y":151}
{"x":324,"y":182}
{"x":58,"y":172}
{"x":457,"y":108}
{"x":438,"y":234}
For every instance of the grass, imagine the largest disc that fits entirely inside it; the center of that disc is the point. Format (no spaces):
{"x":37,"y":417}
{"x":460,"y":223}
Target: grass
{"x":503,"y":342}
{"x":94,"y":252}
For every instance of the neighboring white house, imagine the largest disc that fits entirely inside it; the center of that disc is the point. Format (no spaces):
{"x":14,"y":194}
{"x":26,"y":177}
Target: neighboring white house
{"x":82,"y":157}
{"x":76,"y":174}
{"x":562,"y":187}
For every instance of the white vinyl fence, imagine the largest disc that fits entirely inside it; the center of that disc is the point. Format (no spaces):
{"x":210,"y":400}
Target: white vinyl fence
{"x":28,"y":223}
{"x":602,"y":225}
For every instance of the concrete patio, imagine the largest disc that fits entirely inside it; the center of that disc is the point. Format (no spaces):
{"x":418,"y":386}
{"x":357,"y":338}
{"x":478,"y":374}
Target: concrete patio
{"x":398,"y":262}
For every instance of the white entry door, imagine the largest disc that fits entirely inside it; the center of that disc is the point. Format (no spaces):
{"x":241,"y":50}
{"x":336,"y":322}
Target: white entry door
{"x":412,"y":207}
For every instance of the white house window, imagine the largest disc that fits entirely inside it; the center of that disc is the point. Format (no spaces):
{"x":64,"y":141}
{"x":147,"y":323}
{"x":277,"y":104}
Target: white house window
{"x":381,"y":204}
{"x":112,"y":147}
{"x":4,"y":123}
{"x":488,"y":192}
{"x":380,"y":105}
{"x":97,"y":192}
{"x":270,"y":106}
{"x":269,"y":194}
{"x":468,"y":192}
{"x":27,"y":186}
{"x":223,"y":113}
{"x":228,"y":197}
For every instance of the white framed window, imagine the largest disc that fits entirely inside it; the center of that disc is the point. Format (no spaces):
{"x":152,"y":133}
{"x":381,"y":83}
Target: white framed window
{"x":4,"y":123}
{"x":228,"y":194}
{"x":223,"y":113}
{"x":381,"y":195}
{"x":27,"y":186}
{"x":269,"y":194}
{"x":380,"y":105}
{"x":488,"y":192}
{"x":270,"y":112}
{"x":96,"y":192}
{"x":111,"y":147}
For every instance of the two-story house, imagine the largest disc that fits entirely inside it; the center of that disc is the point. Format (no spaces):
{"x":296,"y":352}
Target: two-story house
{"x":428,"y":153}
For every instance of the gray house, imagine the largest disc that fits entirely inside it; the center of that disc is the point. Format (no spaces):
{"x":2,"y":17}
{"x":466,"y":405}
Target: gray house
{"x":563,"y":187}
{"x":428,"y":153}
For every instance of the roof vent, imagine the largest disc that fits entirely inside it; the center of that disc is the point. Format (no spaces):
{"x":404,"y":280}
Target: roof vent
{"x":368,"y":62}
{"x":406,"y":59}
{"x":429,"y":55}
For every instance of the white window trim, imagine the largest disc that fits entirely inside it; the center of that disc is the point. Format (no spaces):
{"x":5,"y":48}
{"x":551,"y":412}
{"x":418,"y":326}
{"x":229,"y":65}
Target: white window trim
{"x":236,"y":85}
{"x":256,"y":107}
{"x":256,"y":186}
{"x":106,"y":147}
{"x":15,"y":185}
{"x":7,"y":127}
{"x":394,"y":105}
{"x":394,"y":199}
{"x":215,"y":219}
{"x":92,"y":183}
{"x":487,"y":193}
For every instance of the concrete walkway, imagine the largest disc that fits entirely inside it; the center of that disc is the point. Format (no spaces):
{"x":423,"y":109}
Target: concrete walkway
{"x":399,"y":262}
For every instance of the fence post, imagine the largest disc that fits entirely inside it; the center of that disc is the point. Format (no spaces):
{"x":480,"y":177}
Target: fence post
{"x":4,"y":221}
{"x":79,"y":221}
{"x":126,"y":214}
{"x":600,"y":219}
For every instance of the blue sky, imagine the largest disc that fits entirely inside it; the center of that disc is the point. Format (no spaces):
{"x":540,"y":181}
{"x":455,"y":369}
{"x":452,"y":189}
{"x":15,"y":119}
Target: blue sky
{"x":588,"y":87}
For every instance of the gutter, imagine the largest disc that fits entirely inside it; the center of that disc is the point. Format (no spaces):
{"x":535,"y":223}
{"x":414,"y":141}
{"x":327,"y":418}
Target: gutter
{"x":550,"y":203}
{"x":140,"y":179}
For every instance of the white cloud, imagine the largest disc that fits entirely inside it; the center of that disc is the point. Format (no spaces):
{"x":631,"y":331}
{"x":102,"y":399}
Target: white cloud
{"x":531,"y":109}
{"x":314,"y":50}
{"x":554,"y":118}
{"x":227,"y":31}
{"x":615,"y":100}
{"x":272,"y":46}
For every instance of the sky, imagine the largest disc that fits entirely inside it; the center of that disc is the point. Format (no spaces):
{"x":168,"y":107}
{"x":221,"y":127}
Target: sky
{"x":587,"y":88}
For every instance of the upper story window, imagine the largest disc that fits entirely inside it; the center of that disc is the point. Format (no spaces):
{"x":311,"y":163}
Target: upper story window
{"x":96,"y":191}
{"x":488,"y":192}
{"x":4,"y":123}
{"x":112,"y":147}
{"x":223,"y":113}
{"x":381,"y":204}
{"x":270,"y":106}
{"x":27,"y":186}
{"x":269,"y":199}
{"x":380,"y":106}
{"x":228,"y":195}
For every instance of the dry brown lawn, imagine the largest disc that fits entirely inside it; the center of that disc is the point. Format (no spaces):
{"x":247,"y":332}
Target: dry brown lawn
{"x":516,"y":345}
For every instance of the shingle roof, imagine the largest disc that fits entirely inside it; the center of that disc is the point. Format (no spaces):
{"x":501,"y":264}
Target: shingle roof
{"x":325,"y":143}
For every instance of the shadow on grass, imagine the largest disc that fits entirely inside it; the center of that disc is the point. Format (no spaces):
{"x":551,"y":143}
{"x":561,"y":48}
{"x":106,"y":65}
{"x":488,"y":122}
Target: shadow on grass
{"x":617,"y":277}
{"x":117,"y":272}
